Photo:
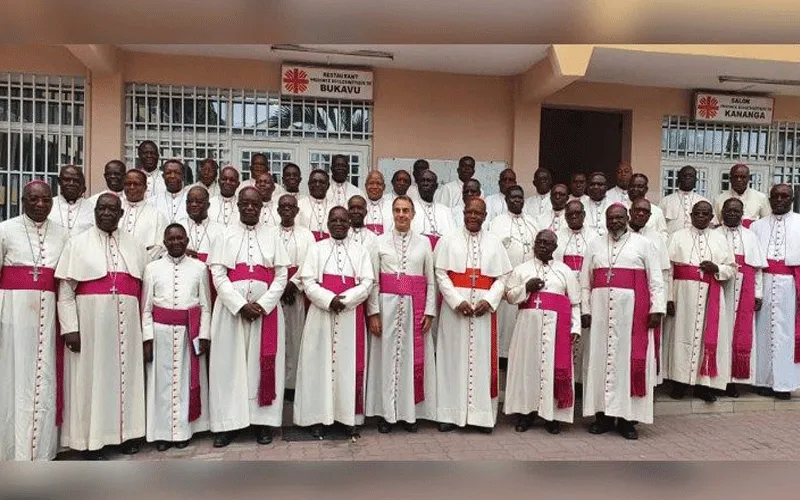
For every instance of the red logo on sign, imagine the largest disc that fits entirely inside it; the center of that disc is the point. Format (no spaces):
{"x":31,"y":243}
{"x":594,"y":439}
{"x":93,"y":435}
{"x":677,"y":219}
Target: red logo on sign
{"x":708,"y":106}
{"x":295,"y":81}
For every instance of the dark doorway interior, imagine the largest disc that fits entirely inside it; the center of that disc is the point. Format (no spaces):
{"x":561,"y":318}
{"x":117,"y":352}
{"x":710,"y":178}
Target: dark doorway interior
{"x":580,"y":141}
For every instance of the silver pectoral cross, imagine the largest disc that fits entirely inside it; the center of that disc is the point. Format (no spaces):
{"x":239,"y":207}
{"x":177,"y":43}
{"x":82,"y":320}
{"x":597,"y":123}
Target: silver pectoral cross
{"x":537,"y":302}
{"x":609,"y":275}
{"x":35,"y":273}
{"x":250,"y":267}
{"x":114,"y":290}
{"x":473,"y":278}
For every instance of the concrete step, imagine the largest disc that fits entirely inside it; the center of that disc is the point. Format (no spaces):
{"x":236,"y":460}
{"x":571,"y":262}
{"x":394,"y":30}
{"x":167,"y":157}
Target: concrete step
{"x":747,"y":401}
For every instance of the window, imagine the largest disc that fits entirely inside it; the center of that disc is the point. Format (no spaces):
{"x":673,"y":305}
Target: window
{"x":41,"y":130}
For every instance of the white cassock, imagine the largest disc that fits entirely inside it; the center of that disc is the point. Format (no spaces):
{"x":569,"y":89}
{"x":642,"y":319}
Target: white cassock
{"x":495,"y":205}
{"x":202,"y":237}
{"x":379,"y":217}
{"x":401,"y":368}
{"x":269,"y":213}
{"x":145,"y":224}
{"x":749,"y":259}
{"x":618,"y":195}
{"x":685,"y":346}
{"x":246,"y":366}
{"x":756,"y":204}
{"x":29,"y":253}
{"x":467,"y":377}
{"x":413,"y":192}
{"x":365,"y":237}
{"x":553,"y":220}
{"x":155,"y":184}
{"x":607,"y":383}
{"x":538,"y":205}
{"x":571,"y":250}
{"x":776,"y":340}
{"x":223,"y":210}
{"x":93,"y":199}
{"x":517,"y":233}
{"x":450,"y":194}
{"x":339,"y":194}
{"x":104,"y":402}
{"x":176,"y":293}
{"x":172,"y":206}
{"x":596,"y":215}
{"x":432,"y":220}
{"x":331,"y":374}
{"x":77,"y":217}
{"x":313,"y":215}
{"x":656,"y":222}
{"x":297,"y":240}
{"x":532,"y":359}
{"x":213,"y":189}
{"x":677,"y":209}
{"x":584,"y":199}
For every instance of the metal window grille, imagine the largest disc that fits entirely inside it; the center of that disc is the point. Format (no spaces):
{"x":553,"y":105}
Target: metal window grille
{"x":41,"y":130}
{"x":277,"y":160}
{"x":322,"y":160}
{"x":192,"y":123}
{"x":669,"y":181}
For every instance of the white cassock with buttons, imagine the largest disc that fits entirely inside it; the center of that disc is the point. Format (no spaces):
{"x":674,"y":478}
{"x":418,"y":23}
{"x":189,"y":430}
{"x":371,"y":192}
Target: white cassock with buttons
{"x":607,"y":380}
{"x":379,"y":215}
{"x":531,"y":360}
{"x":328,"y":366}
{"x":235,"y":360}
{"x":269,"y":213}
{"x":223,"y":210}
{"x":339,"y":194}
{"x":684,"y":346}
{"x":538,"y":205}
{"x":469,"y":267}
{"x":77,"y":216}
{"x":779,"y":239}
{"x":203,"y":236}
{"x":677,"y":209}
{"x":98,"y":296}
{"x":175,"y":284}
{"x":595,"y":218}
{"x":313,"y":214}
{"x":29,"y":252}
{"x":145,"y":224}
{"x":172,"y":206}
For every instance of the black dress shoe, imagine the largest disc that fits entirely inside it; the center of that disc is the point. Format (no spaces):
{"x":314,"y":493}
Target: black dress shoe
{"x":384,"y":427}
{"x":411,"y":427}
{"x":764,"y":391}
{"x":627,"y":430}
{"x":485,"y":430}
{"x":524,"y":422}
{"x":182,"y":444}
{"x":553,"y":427}
{"x":731,"y":391}
{"x":601,"y":425}
{"x":783,"y":396}
{"x":93,"y":455}
{"x":353,"y":431}
{"x":318,"y":431}
{"x":223,"y":439}
{"x":705,"y":394}
{"x":445,"y":427}
{"x":130,"y":447}
{"x":263,"y":434}
{"x":678,"y":391}
{"x":288,"y":395}
{"x":163,"y":445}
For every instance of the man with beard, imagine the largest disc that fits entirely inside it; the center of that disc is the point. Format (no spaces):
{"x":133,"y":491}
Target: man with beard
{"x":70,"y":208}
{"x":450,"y":194}
{"x":496,"y":203}
{"x":379,"y":207}
{"x":172,"y":204}
{"x":756,"y":205}
{"x":401,"y":182}
{"x":540,"y":369}
{"x":114,"y":174}
{"x":207,"y":172}
{"x":538,"y":204}
{"x":265,"y":186}
{"x":623,"y":301}
{"x":677,"y":207}
{"x":341,"y":189}
{"x":99,"y":311}
{"x":30,"y":351}
{"x":598,"y":203}
{"x":577,"y":187}
{"x":223,"y":208}
{"x":147,"y":161}
{"x":472,"y":189}
{"x":471,"y":269}
{"x":637,"y":190}
{"x":246,"y":365}
{"x":314,"y":208}
{"x":554,"y":220}
{"x":337,"y":276}
{"x":698,"y":350}
{"x":141,"y":220}
{"x":176,"y":318}
{"x":434,"y":219}
{"x":292,"y":177}
{"x":619,"y":193}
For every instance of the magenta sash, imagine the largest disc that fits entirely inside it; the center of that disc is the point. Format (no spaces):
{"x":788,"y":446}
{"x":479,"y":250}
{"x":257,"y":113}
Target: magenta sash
{"x":121,"y":283}
{"x":743,"y":323}
{"x":636,"y":280}
{"x":320,"y":235}
{"x":203,"y":257}
{"x":746,"y":223}
{"x":574,"y":262}
{"x":434,"y":239}
{"x":780,"y":267}
{"x":375,"y":228}
{"x":21,"y":278}
{"x":190,"y":318}
{"x":559,"y":304}
{"x":711,"y":330}
{"x":269,"y":332}
{"x":417,"y":288}
{"x":335,"y":284}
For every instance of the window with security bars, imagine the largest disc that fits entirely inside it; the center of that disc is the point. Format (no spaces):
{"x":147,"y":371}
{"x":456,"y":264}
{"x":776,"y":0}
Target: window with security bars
{"x":41,"y":130}
{"x":276,"y":159}
{"x":192,"y":123}
{"x":786,"y":164}
{"x":322,"y":160}
{"x":682,"y":137}
{"x":669,"y":181}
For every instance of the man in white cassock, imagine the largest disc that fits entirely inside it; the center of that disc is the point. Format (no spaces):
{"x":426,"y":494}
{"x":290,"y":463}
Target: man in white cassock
{"x":637,"y":190}
{"x":623,"y":300}
{"x":147,"y":161}
{"x":314,"y":209}
{"x":516,"y":231}
{"x":401,"y":370}
{"x":259,"y":164}
{"x":554,"y":219}
{"x":419,"y":166}
{"x":222,"y":208}
{"x":379,"y":206}
{"x":357,"y":210}
{"x":756,"y":204}
{"x":99,"y":311}
{"x":598,"y":204}
{"x":433,"y":220}
{"x":70,"y":208}
{"x":577,"y":187}
{"x":140,"y":219}
{"x":538,"y":204}
{"x":172,"y":203}
{"x":451,"y":193}
{"x":619,"y":193}
{"x":291,"y":179}
{"x":341,"y":189}
{"x":200,"y":229}
{"x":30,"y":351}
{"x":114,"y":175}
{"x":472,"y":189}
{"x":176,"y":328}
{"x":496,"y":203}
{"x":677,"y":207}
{"x":401,"y":183}
{"x":698,"y":350}
{"x":337,"y":276}
{"x":540,"y":365}
{"x":778,"y":322}
{"x":207,"y":172}
{"x":249,"y":267}
{"x":743,"y":294}
{"x":471,"y":269}
{"x":265,"y":185}
{"x":297,"y":240}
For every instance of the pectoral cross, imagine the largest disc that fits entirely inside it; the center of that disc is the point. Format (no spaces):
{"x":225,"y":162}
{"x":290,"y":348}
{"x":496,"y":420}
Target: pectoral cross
{"x":114,"y":289}
{"x":473,"y":278}
{"x":35,"y":273}
{"x":537,"y":302}
{"x":609,"y":275}
{"x":250,"y":267}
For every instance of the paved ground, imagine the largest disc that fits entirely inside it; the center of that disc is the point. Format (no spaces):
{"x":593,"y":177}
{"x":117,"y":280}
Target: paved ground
{"x":773,"y":435}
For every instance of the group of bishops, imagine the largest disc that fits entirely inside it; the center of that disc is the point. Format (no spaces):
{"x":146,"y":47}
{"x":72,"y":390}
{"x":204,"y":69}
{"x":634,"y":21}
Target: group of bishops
{"x":157,"y":310}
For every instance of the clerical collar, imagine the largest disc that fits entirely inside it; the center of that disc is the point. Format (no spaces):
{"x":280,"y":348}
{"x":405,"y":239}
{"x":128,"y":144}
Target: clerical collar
{"x":176,"y":260}
{"x":245,"y":226}
{"x":285,"y":228}
{"x":175,"y":195}
{"x":376,"y":202}
{"x":611,"y":235}
{"x":199,"y":223}
{"x":398,"y":233}
{"x":317,"y":200}
{"x":697,"y":230}
{"x":33,"y":222}
{"x":576,"y":231}
{"x":512,"y":214}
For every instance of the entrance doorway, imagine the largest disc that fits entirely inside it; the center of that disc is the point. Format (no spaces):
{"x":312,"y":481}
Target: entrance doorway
{"x":574,"y":140}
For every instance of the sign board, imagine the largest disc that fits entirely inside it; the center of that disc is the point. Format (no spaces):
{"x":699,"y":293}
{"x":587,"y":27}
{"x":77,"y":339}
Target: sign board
{"x":728,"y":108}
{"x":332,"y":83}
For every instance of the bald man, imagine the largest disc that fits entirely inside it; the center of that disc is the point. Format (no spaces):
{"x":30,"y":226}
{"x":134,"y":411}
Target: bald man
{"x":70,"y":208}
{"x":379,"y":207}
